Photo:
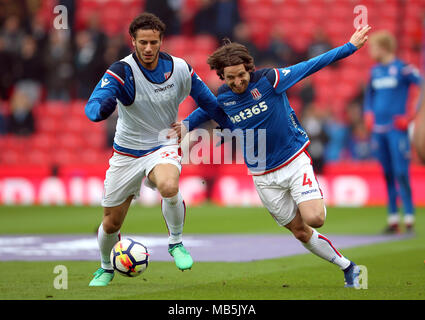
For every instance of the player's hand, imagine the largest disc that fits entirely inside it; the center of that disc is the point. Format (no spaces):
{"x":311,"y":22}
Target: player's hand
{"x":178,"y":130}
{"x":360,"y":37}
{"x":401,"y":122}
{"x":107,"y":107}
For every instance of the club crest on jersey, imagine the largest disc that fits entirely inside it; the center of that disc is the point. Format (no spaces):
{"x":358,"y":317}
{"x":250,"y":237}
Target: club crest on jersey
{"x":392,"y":70}
{"x":256,"y":94}
{"x":167,"y":75}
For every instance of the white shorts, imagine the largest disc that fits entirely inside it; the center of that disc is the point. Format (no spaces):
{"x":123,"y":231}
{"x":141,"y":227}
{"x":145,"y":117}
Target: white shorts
{"x":125,"y":174}
{"x":282,"y":190}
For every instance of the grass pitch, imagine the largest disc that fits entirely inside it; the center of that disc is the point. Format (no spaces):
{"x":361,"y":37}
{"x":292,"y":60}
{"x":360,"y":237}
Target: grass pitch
{"x":396,"y":270}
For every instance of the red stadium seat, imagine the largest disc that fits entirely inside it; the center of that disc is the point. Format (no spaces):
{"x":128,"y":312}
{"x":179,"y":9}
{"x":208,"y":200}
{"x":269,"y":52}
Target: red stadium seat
{"x":71,"y":141}
{"x":48,"y":124}
{"x":177,"y":45}
{"x":111,"y":14}
{"x":62,"y":156}
{"x":13,"y":157}
{"x":205,"y":43}
{"x":39,"y":157}
{"x":43,"y":142}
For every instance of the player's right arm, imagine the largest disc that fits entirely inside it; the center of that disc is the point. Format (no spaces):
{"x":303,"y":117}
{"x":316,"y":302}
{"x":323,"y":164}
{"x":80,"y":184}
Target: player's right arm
{"x":283,"y":78}
{"x":207,"y":101}
{"x":116,"y":83}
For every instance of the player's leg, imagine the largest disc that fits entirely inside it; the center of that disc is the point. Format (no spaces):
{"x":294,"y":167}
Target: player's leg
{"x":108,"y":234}
{"x":307,"y":198}
{"x":122,"y":183}
{"x":305,"y":190}
{"x":380,"y":145}
{"x":283,"y":208}
{"x":313,"y":212}
{"x":165,"y":177}
{"x":322,"y":247}
{"x":400,"y":155}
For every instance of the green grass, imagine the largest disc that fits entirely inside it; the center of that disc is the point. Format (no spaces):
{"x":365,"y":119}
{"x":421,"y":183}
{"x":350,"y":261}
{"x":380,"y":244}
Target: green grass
{"x":395,"y":270}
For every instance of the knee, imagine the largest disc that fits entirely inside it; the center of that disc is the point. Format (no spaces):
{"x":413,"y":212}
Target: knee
{"x":317,"y":219}
{"x":168,"y":188}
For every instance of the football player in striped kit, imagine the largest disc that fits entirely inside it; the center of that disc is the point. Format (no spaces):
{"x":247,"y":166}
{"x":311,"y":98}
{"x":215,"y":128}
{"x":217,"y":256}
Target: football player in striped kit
{"x":285,"y":180}
{"x":147,"y":86}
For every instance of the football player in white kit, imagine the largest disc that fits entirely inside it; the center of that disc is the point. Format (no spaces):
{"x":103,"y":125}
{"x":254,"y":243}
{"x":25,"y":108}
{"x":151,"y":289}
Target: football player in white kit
{"x":148,"y":86}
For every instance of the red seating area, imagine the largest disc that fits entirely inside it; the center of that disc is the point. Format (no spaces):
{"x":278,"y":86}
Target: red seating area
{"x":299,"y":19}
{"x":65,"y":135}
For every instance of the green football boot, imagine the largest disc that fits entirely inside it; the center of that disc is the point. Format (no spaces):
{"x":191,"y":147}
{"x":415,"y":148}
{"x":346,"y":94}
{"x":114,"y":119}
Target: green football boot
{"x":101,"y":278}
{"x":181,"y":256}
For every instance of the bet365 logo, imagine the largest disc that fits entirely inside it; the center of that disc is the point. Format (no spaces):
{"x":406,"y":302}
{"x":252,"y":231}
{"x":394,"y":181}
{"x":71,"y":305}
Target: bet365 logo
{"x":249,"y":112}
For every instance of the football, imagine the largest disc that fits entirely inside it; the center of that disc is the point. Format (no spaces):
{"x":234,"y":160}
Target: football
{"x":129,"y":258}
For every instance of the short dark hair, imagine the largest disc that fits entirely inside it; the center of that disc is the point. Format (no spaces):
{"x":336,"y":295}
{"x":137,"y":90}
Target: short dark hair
{"x":230,"y":54}
{"x":146,"y":21}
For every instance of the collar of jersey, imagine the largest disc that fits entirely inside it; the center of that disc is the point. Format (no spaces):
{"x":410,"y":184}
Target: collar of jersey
{"x":146,"y":71}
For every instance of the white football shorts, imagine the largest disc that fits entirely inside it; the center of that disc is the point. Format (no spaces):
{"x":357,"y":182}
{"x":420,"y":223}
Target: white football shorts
{"x":282,"y":190}
{"x":125,"y":174}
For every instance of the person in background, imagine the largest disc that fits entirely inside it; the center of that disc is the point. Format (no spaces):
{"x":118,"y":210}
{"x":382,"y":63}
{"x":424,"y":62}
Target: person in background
{"x":58,"y":63}
{"x":387,"y":116}
{"x":21,"y":119}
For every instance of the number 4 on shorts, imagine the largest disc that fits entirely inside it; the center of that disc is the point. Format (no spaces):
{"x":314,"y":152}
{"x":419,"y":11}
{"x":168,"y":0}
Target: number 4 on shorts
{"x":307,"y":181}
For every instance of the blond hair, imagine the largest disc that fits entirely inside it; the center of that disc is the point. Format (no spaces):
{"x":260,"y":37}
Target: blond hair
{"x":385,"y":40}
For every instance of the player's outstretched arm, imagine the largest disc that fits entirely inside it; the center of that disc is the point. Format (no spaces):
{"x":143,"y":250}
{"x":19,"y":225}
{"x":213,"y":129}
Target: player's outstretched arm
{"x":360,"y":36}
{"x":284,"y":78}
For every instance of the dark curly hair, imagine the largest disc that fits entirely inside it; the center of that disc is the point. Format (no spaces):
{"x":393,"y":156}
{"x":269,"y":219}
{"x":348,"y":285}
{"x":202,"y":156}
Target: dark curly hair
{"x":230,"y":54}
{"x":146,"y":21}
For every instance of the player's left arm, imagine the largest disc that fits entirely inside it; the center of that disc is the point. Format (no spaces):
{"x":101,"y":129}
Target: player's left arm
{"x":207,"y":101}
{"x":181,"y":128}
{"x":208,"y":109}
{"x":412,"y":76}
{"x":196,"y":118}
{"x":284,"y":78}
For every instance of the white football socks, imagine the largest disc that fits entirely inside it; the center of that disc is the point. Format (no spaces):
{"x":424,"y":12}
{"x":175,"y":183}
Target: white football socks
{"x":174,"y":211}
{"x":106,"y":243}
{"x":322,"y":247}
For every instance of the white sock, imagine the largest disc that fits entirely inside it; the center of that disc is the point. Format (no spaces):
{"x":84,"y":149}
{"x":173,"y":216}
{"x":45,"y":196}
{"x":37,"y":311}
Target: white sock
{"x":393,"y":219}
{"x":174,"y":211}
{"x":322,"y":247}
{"x":106,"y":242}
{"x":409,"y":219}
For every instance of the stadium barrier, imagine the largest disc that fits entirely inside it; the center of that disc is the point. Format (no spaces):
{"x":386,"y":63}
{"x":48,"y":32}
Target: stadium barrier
{"x":343,"y":184}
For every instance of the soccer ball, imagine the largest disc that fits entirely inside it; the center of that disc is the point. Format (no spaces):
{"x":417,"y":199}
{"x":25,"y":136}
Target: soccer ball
{"x":129,"y":258}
